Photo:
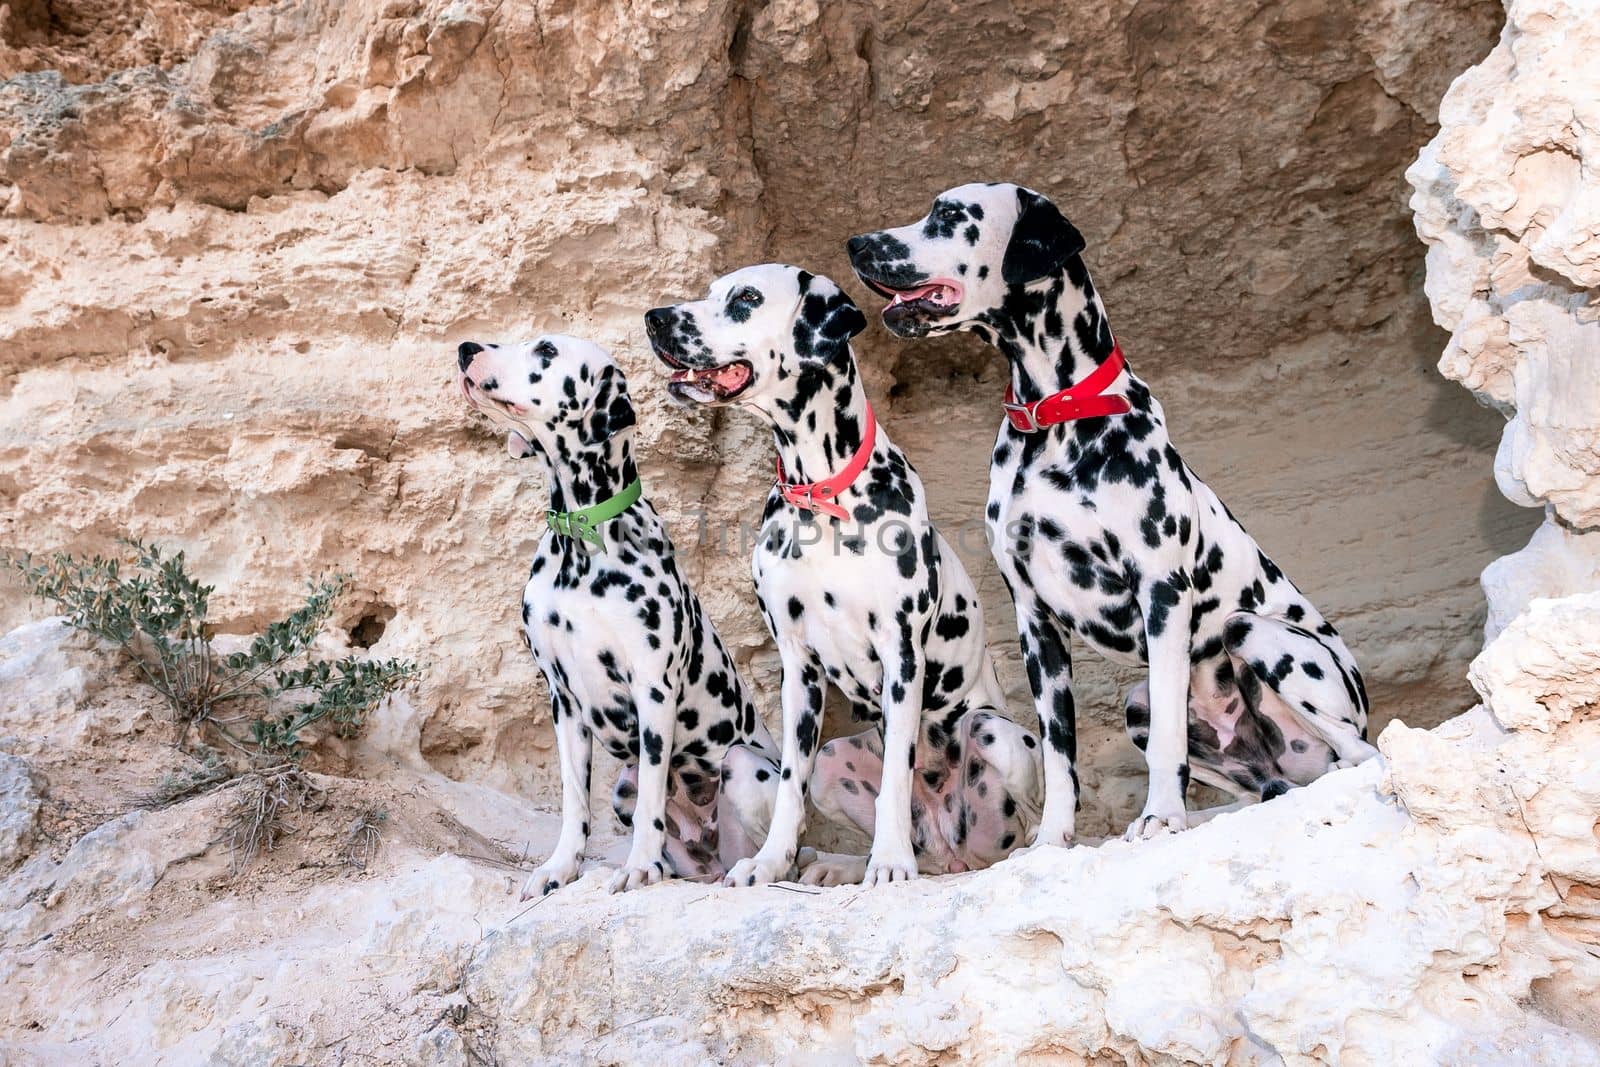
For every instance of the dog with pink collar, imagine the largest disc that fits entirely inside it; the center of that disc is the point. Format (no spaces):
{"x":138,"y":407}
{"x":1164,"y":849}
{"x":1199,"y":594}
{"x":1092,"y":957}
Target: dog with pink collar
{"x":861,"y":594}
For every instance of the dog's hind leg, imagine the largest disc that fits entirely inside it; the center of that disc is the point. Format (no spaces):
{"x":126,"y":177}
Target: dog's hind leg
{"x":1014,"y":754}
{"x":692,"y":845}
{"x":573,"y":745}
{"x":625,"y":795}
{"x":698,"y":818}
{"x":1311,"y":689}
{"x":1218,"y":757}
{"x":745,"y":801}
{"x":844,"y":785}
{"x":844,"y":788}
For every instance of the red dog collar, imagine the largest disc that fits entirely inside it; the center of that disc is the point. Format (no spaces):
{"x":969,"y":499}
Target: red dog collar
{"x":1085,"y":400}
{"x":820,"y":496}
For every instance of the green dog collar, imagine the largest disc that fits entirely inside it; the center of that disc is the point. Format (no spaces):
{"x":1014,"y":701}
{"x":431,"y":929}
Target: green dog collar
{"x":584,"y":524}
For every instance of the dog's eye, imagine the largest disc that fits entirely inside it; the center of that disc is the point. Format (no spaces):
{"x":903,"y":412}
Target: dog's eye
{"x":951,"y":213}
{"x":545,"y":350}
{"x":747,"y":296}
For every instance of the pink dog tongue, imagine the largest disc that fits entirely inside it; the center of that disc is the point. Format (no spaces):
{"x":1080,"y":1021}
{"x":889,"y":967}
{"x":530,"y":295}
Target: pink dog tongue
{"x":938,"y":292}
{"x":731,"y":377}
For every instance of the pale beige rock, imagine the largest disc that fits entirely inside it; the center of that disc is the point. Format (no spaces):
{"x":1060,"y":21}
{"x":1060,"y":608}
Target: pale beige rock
{"x":1506,"y":199}
{"x":47,"y":675}
{"x":19,"y":810}
{"x":1556,"y":562}
{"x":107,"y":871}
{"x":1554,"y":641}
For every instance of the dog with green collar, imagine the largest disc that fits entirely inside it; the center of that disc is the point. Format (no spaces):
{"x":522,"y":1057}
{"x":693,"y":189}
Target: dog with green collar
{"x":630,"y":656}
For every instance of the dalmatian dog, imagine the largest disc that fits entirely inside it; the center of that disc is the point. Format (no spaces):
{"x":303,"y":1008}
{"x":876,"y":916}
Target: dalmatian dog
{"x":1101,"y":530}
{"x":631,"y":658}
{"x":860,"y":592}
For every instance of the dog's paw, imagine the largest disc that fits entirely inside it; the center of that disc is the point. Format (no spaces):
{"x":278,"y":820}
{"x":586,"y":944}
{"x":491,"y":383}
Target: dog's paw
{"x":637,"y":875}
{"x":882,"y":869}
{"x":757,"y":870}
{"x":548,"y":877}
{"x":832,"y":868}
{"x":1044,"y":836}
{"x":1156,"y":824}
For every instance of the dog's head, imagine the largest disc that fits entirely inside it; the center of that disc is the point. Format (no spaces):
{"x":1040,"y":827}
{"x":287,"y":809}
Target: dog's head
{"x":550,"y":388}
{"x":763,"y":336}
{"x":977,"y":245}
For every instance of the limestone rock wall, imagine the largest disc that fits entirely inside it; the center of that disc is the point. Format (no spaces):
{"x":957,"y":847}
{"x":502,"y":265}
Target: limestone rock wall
{"x":240,"y":241}
{"x":1437,"y":906}
{"x":1506,"y":200}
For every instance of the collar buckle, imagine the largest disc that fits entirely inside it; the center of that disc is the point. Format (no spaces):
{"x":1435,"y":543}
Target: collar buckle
{"x":1023,"y":418}
{"x":822,"y":496}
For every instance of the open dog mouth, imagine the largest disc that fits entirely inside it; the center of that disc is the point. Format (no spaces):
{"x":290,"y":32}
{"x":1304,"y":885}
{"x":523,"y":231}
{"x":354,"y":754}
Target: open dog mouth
{"x":919,"y":304}
{"x":709,"y":384}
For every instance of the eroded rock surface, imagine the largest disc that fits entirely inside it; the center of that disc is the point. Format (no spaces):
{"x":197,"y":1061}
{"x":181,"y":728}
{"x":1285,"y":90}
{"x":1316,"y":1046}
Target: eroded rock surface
{"x":19,"y":809}
{"x":1505,"y":197}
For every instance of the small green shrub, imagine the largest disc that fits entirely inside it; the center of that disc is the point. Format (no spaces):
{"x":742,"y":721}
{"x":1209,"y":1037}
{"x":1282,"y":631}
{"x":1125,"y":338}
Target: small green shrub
{"x":257,"y":701}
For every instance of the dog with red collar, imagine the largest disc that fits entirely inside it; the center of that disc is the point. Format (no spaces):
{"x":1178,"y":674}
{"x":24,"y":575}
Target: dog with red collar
{"x":861,"y":593}
{"x":1101,"y":530}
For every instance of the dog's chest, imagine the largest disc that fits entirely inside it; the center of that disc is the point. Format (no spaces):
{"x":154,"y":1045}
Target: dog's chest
{"x":831,"y":602}
{"x":601,"y":625}
{"x":1083,"y":547}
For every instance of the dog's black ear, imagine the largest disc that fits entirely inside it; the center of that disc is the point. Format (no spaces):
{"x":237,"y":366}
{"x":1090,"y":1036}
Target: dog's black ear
{"x":1041,"y":241}
{"x":828,"y":318}
{"x":518,"y":446}
{"x":844,"y":320}
{"x":610,"y":411}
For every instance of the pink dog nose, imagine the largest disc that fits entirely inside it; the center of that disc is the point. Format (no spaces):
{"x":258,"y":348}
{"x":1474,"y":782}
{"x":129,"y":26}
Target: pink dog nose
{"x":465,"y":352}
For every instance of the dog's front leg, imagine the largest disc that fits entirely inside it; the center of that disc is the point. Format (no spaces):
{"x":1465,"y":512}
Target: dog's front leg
{"x":1047,"y":655}
{"x":1169,"y":603}
{"x":645,"y":864}
{"x":572,"y":749}
{"x":892,"y":858}
{"x":801,"y":698}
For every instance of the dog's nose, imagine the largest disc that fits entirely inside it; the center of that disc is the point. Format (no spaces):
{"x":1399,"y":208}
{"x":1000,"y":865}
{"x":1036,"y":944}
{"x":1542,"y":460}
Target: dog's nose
{"x":857,"y":246}
{"x":465,"y":352}
{"x":657,"y":322}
